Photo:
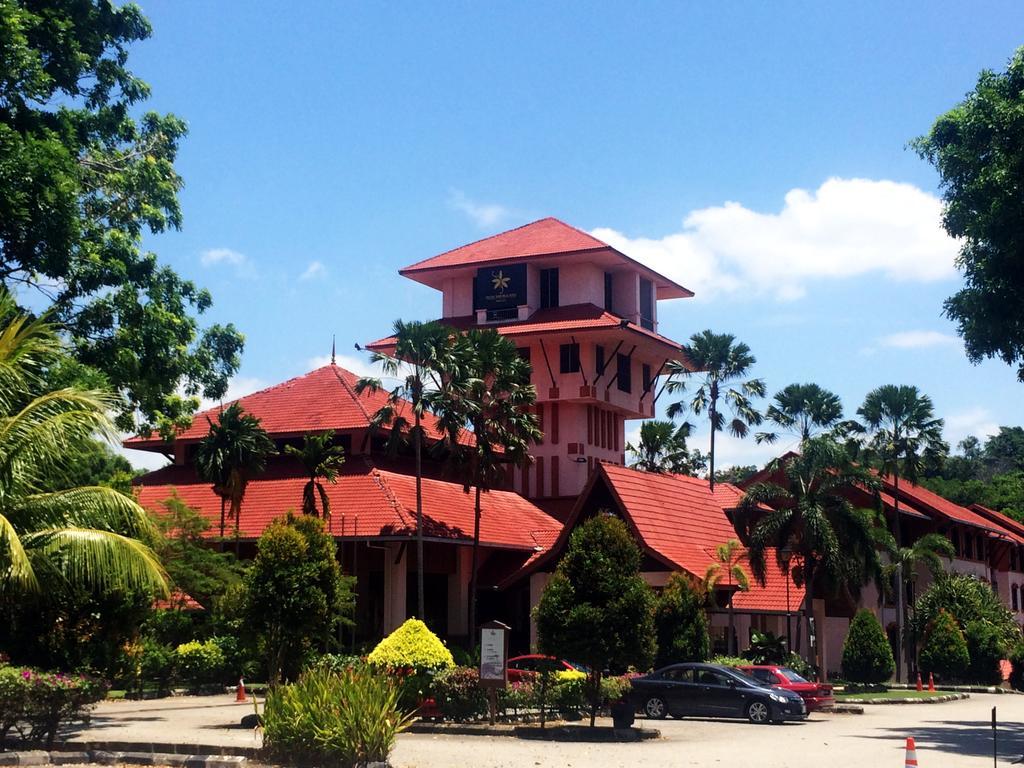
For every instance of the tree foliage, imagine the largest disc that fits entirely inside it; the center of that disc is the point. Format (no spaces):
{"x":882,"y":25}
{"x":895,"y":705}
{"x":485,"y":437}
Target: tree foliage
{"x":681,"y":624}
{"x":82,"y":181}
{"x":944,"y":651}
{"x":321,"y":460}
{"x":977,"y":149}
{"x":968,"y":599}
{"x":597,"y":609}
{"x":801,"y":410}
{"x":867,"y":655}
{"x":661,"y":447}
{"x":296,"y":595}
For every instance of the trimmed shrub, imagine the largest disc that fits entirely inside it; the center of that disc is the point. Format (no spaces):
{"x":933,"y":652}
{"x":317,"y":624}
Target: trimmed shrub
{"x":967,"y":599}
{"x":986,"y":649}
{"x":730,"y":661}
{"x":157,"y":664}
{"x":517,"y":697}
{"x":1017,"y":660}
{"x":458,"y":694}
{"x":945,"y":648}
{"x":35,"y":704}
{"x":867,"y":656}
{"x":334,"y":719}
{"x":200,"y":663}
{"x":614,"y":688}
{"x":681,"y":625}
{"x":413,"y":654}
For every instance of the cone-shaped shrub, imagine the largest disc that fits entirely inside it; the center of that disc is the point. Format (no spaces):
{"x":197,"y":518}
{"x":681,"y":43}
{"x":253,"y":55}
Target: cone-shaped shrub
{"x":867,"y":655}
{"x":986,"y":649}
{"x":945,"y":648}
{"x":411,"y":646}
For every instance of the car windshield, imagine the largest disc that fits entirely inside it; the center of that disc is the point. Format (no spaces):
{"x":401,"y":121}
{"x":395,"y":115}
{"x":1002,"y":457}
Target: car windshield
{"x":748,"y":679}
{"x":579,"y":667}
{"x":792,"y":676}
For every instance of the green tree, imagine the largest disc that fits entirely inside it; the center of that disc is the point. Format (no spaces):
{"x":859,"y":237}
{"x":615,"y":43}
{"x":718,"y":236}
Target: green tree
{"x":681,"y":625}
{"x":597,"y":609}
{"x":488,"y":387}
{"x":967,"y":599}
{"x":867,"y":655}
{"x":735,"y":475}
{"x":929,"y":550}
{"x":986,"y":649}
{"x":662,"y":448}
{"x":727,"y":565}
{"x":945,"y":648}
{"x":802,"y":409}
{"x":82,"y":180}
{"x":422,"y":352}
{"x":716,"y":360}
{"x":813,"y":518}
{"x":976,"y":148}
{"x":85,"y":536}
{"x":321,"y":459}
{"x":1004,"y":451}
{"x":901,"y":436}
{"x":296,"y":595}
{"x":234,"y":450}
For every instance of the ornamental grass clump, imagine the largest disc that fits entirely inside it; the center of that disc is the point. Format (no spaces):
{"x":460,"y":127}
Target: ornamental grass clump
{"x":334,"y":719}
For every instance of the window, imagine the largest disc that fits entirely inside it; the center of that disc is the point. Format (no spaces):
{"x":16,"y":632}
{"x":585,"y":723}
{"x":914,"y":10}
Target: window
{"x":524,"y":353}
{"x":678,"y":675}
{"x":570,"y":354}
{"x":608,"y":286}
{"x":548,"y":288}
{"x":646,"y":304}
{"x":764,"y":675}
{"x":624,"y":380}
{"x":979,"y":547}
{"x":1015,"y":597}
{"x":1013,"y":558}
{"x":955,"y":538}
{"x":710,"y":677}
{"x":646,"y":377}
{"x":599,"y":361}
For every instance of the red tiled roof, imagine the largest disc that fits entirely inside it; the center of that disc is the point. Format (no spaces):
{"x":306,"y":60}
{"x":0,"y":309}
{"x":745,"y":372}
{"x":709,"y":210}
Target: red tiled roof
{"x":366,"y":501}
{"x":539,"y":238}
{"x":178,"y":601}
{"x":317,"y":401}
{"x":573,"y":317}
{"x":1013,"y":528}
{"x":771,"y":596}
{"x":929,"y":501}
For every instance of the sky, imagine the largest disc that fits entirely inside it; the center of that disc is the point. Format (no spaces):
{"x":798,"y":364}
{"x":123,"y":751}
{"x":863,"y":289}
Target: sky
{"x":757,"y":153}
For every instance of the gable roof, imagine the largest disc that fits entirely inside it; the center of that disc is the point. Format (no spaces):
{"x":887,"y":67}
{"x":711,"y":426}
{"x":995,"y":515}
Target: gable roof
{"x":367,"y":501}
{"x":320,"y":400}
{"x":544,"y":237}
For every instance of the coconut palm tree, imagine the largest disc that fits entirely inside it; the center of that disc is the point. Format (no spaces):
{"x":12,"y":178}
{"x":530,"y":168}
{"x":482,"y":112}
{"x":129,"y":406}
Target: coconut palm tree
{"x":933,"y":551}
{"x":812,"y":519}
{"x":489,"y":389}
{"x":235,"y":450}
{"x":802,"y":409}
{"x":727,"y":565}
{"x":321,"y":459}
{"x":87,"y":536}
{"x":899,"y":434}
{"x":717,"y":360}
{"x":662,"y":448}
{"x":423,"y":362}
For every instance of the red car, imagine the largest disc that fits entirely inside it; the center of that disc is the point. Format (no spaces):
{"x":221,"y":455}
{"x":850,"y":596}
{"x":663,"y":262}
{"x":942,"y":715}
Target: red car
{"x":536,"y":662}
{"x":816,"y":696}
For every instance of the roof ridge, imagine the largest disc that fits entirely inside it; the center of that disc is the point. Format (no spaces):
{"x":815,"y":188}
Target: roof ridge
{"x":379,"y":478}
{"x":355,"y":396}
{"x":505,"y":232}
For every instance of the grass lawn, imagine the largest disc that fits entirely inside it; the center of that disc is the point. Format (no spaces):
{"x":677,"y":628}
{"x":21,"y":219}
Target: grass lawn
{"x":893,"y":694}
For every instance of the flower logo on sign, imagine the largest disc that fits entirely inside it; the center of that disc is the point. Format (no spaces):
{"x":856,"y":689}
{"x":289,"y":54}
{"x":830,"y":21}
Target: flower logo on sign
{"x":500,"y":281}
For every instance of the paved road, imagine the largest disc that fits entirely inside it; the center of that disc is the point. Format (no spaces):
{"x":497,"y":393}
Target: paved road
{"x":953,"y":735}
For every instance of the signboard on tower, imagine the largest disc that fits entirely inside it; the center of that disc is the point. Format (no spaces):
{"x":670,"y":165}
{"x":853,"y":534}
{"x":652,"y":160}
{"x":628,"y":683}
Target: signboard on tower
{"x":499,"y":287}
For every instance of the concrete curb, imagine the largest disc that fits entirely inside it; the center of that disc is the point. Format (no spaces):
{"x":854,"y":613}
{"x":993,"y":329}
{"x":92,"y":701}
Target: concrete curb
{"x":162,"y":748}
{"x":601,"y":733}
{"x":901,"y":702}
{"x":845,"y":709}
{"x":118,"y":757}
{"x":959,"y":688}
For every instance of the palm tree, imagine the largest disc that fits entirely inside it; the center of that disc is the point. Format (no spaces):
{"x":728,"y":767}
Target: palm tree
{"x":813,"y":519}
{"x":85,"y":536}
{"x":490,"y":390}
{"x":929,"y":550}
{"x":900,"y":435}
{"x":235,"y":450}
{"x":422,"y":352}
{"x":728,"y":557}
{"x":717,"y":359}
{"x":321,"y":459}
{"x":802,"y":409}
{"x":662,"y":448}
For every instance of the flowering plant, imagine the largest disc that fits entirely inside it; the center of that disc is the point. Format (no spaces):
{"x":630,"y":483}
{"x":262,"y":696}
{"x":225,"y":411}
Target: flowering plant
{"x":34,"y":703}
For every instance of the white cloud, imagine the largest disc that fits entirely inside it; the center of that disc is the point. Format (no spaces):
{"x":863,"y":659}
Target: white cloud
{"x":315,"y":269}
{"x":214,"y":256}
{"x":919,"y":340}
{"x":239,"y":386}
{"x":845,"y":228}
{"x":484,"y":215}
{"x":976,"y":421}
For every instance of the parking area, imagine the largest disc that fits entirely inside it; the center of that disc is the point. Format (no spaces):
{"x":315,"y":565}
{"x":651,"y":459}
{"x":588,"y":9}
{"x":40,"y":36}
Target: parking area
{"x":953,"y":735}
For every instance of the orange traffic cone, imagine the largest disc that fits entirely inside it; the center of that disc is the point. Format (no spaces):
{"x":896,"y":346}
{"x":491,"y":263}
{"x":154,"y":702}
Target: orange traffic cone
{"x":911,"y":759}
{"x":919,"y":686}
{"x":931,"y":683}
{"x":240,"y":691}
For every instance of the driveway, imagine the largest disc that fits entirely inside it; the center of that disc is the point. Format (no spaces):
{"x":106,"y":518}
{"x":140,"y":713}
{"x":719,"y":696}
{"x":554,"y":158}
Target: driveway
{"x":953,"y":735}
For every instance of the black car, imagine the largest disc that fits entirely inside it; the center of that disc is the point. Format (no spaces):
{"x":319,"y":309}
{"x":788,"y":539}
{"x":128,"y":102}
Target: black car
{"x":713,"y":690}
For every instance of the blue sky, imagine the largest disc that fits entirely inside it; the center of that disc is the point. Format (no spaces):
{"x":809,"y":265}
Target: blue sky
{"x":756,"y":152}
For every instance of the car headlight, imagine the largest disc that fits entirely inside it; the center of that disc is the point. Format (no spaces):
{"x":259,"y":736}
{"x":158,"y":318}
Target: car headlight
{"x":778,"y":697}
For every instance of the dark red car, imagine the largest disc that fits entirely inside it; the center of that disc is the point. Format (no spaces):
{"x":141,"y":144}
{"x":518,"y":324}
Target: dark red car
{"x":536,"y":662}
{"x":816,"y":696}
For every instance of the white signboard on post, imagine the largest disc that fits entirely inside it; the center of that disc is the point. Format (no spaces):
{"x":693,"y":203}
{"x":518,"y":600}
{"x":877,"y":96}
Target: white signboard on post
{"x":492,"y":655}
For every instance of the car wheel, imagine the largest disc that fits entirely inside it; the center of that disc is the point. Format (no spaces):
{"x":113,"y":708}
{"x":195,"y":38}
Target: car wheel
{"x":655,"y":708}
{"x":758,"y":712}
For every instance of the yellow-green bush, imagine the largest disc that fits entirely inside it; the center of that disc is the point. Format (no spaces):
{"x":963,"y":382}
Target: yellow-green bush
{"x":411,"y":646}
